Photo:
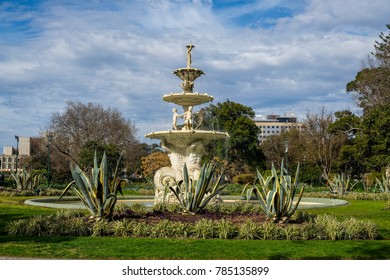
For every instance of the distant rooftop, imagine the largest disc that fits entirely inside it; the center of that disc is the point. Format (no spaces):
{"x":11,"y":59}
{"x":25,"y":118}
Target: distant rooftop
{"x":287,"y":117}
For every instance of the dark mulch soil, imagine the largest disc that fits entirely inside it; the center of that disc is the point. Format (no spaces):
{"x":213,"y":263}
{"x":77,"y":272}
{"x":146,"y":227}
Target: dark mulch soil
{"x":156,"y":216}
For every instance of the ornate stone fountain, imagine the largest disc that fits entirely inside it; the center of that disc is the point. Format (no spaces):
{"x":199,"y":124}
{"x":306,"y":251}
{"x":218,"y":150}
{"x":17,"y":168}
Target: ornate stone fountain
{"x":183,"y":143}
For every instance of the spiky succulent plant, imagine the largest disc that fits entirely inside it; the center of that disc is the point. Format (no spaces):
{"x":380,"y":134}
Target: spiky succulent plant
{"x":194,"y":194}
{"x":27,"y":180}
{"x":276,"y":194}
{"x":98,"y":193}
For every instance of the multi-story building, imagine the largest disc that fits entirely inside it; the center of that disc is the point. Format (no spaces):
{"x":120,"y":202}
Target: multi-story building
{"x":25,"y":146}
{"x":8,"y":150}
{"x":9,"y":157}
{"x":276,"y":124}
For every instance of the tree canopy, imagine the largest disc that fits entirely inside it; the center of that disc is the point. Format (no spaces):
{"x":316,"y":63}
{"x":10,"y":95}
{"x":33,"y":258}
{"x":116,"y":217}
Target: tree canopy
{"x":82,"y":125}
{"x":372,"y":88}
{"x":372,"y":84}
{"x":243,"y":145}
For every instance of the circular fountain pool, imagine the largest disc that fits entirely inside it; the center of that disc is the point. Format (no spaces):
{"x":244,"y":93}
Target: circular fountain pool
{"x":148,"y":201}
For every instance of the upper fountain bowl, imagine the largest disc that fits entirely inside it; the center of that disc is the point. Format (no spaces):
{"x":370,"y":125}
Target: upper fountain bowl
{"x":187,"y":98}
{"x":188,"y":74}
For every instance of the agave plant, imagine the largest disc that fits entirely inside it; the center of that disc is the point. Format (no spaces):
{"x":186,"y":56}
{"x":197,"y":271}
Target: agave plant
{"x":98,"y":193}
{"x":340,"y":184}
{"x":384,"y":184}
{"x":27,"y":180}
{"x":194,"y":194}
{"x":276,"y":194}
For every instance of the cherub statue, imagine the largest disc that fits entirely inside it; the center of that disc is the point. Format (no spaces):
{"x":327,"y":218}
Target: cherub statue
{"x":188,"y":119}
{"x":174,"y":118}
{"x":199,"y":118}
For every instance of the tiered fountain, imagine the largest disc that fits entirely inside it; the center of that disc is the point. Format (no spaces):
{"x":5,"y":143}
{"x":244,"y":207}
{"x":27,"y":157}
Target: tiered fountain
{"x":183,"y":143}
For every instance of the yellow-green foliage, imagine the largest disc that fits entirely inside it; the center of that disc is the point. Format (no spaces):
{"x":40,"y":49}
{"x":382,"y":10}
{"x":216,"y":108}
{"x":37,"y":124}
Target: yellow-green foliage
{"x":244,"y":179}
{"x":153,"y":162}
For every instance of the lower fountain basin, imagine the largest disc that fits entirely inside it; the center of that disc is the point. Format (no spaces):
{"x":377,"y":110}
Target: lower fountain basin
{"x":148,"y":201}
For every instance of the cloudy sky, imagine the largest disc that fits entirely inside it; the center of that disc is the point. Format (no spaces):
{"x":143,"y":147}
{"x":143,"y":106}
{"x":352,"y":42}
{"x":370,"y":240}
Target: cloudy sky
{"x":273,"y":55}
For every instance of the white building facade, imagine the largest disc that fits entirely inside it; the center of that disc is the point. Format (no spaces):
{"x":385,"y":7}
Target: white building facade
{"x":8,"y":158}
{"x":276,"y":124}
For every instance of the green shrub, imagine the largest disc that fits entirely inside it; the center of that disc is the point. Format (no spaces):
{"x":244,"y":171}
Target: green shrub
{"x":140,"y":229}
{"x":243,"y":179}
{"x":138,"y":207}
{"x":357,"y":229}
{"x":101,"y":228}
{"x":292,"y":232}
{"x":17,"y":227}
{"x":269,"y":231}
{"x":38,"y":226}
{"x":351,"y":196}
{"x":205,"y":228}
{"x":232,"y":189}
{"x":121,"y":228}
{"x":249,"y":230}
{"x":226,"y":229}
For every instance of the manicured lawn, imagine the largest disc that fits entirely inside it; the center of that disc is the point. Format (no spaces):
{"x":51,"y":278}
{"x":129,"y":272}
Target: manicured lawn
{"x":148,"y":248}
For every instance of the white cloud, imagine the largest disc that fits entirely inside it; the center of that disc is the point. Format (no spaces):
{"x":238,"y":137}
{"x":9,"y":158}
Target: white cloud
{"x":121,"y":55}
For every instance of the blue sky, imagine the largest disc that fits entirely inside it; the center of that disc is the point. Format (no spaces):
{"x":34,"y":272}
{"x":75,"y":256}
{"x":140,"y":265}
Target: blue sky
{"x":275,"y":56}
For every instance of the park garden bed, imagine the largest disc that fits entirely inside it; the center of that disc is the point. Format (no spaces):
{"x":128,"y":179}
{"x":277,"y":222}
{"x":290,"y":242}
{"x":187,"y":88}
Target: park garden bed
{"x":228,"y":222}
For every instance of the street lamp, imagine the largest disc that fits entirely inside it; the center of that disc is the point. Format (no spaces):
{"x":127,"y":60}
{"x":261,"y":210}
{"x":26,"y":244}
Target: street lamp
{"x":17,"y":153}
{"x":285,"y":155}
{"x":48,"y":145}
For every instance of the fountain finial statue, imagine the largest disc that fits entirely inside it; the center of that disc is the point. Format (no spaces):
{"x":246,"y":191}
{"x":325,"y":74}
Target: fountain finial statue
{"x":189,"y":60}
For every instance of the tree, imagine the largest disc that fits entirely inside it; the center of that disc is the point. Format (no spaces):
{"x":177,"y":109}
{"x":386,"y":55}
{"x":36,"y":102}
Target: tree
{"x":87,"y":155}
{"x":372,"y":84}
{"x":372,"y":88}
{"x":153,"y":162}
{"x":322,"y":146}
{"x":243,"y":145}
{"x":346,"y":122}
{"x":274,"y":148}
{"x":374,"y":139}
{"x":82,"y":123}
{"x":349,"y":159}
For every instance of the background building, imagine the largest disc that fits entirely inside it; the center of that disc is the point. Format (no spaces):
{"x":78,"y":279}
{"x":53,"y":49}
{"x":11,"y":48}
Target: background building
{"x":8,"y":158}
{"x":276,"y":124}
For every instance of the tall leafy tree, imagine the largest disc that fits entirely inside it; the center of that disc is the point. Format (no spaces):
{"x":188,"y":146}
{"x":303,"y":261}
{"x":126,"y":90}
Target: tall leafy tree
{"x":372,"y":89}
{"x":349,"y":159}
{"x":372,"y":84}
{"x":374,"y":140}
{"x":243,"y":145}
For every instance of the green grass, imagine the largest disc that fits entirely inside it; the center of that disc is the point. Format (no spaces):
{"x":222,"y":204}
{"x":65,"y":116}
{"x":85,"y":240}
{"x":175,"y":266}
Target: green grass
{"x":148,"y":248}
